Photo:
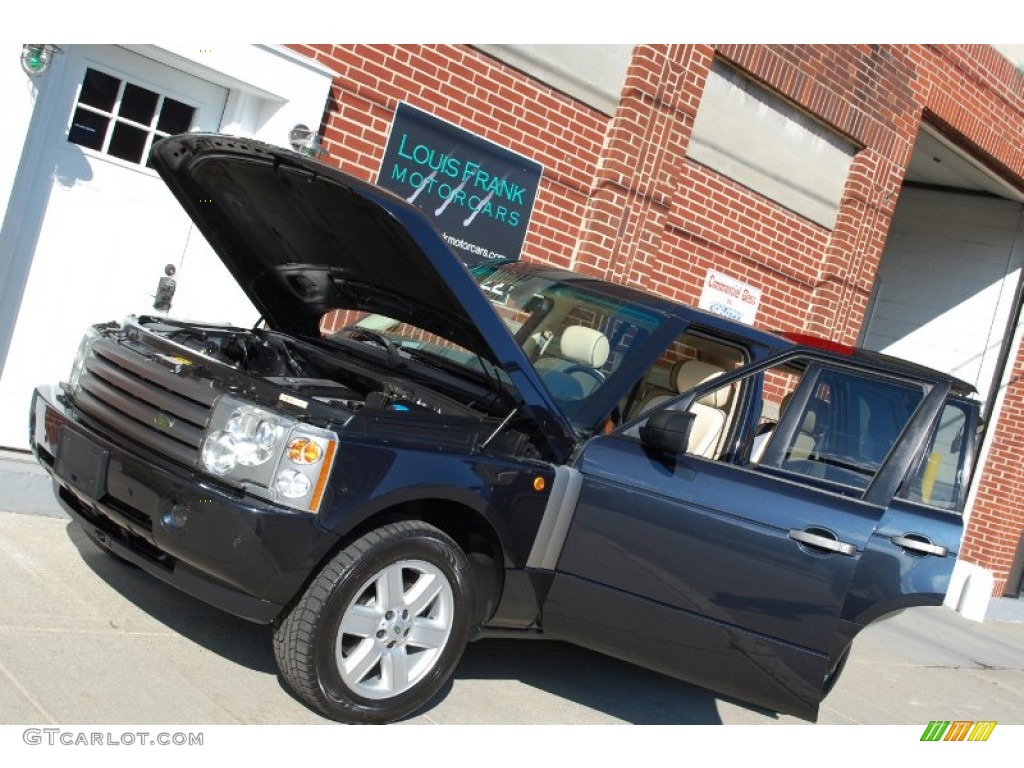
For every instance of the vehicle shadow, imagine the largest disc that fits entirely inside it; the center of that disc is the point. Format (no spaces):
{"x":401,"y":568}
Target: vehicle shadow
{"x":591,"y":680}
{"x":239,"y":641}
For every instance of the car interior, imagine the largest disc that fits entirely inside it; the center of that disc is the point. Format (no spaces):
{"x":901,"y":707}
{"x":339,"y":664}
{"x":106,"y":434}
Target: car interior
{"x":689,"y":362}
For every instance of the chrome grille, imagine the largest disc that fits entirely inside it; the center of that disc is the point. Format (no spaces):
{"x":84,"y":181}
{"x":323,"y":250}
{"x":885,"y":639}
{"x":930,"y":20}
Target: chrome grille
{"x":145,"y":401}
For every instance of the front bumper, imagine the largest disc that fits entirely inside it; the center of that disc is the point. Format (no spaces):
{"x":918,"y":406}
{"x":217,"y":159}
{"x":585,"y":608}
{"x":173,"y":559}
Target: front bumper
{"x":240,"y":554}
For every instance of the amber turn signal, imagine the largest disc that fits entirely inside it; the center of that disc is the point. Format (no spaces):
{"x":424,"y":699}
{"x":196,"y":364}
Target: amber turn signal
{"x":302,"y":450}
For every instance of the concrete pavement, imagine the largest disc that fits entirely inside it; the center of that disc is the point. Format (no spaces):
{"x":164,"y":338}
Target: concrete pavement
{"x":86,"y":639}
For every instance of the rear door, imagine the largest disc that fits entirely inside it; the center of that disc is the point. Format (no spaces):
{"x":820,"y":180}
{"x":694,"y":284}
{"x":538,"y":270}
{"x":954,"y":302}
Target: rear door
{"x":919,"y":536}
{"x":734,"y":572}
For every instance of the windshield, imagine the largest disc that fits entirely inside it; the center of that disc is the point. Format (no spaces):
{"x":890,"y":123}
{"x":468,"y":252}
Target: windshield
{"x":575,"y":338}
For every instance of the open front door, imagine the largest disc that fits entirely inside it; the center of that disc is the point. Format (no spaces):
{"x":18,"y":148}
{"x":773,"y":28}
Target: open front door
{"x":732,"y":569}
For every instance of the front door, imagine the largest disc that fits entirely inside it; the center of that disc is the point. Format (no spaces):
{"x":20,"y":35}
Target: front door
{"x":101,"y":228}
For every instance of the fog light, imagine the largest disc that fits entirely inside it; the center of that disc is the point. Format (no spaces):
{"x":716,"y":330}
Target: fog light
{"x":176,"y":517}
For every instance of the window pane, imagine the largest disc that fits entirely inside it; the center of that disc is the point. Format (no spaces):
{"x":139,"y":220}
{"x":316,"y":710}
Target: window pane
{"x":175,"y":117}
{"x":778,"y":387}
{"x":937,"y":480}
{"x":576,"y":339}
{"x":756,"y":137}
{"x":138,"y":104}
{"x":99,"y":90}
{"x":141,"y":117}
{"x":848,"y":426}
{"x":127,"y":143}
{"x":88,"y":129}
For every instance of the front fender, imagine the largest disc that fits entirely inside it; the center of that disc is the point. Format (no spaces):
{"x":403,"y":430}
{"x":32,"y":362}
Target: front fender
{"x":370,"y":479}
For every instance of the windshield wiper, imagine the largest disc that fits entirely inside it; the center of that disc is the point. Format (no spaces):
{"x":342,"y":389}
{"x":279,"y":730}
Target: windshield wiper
{"x":357,"y":332}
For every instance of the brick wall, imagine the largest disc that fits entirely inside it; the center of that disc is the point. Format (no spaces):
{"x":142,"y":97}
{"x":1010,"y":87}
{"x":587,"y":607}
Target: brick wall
{"x":620,"y":199}
{"x":475,"y":92}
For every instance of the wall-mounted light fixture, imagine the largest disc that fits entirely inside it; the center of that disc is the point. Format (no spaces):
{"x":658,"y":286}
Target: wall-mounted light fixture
{"x":303,"y":140}
{"x":36,"y":58}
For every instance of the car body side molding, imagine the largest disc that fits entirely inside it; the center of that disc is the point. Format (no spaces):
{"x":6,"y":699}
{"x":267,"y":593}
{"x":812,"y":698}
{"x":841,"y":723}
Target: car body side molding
{"x":558,"y":514}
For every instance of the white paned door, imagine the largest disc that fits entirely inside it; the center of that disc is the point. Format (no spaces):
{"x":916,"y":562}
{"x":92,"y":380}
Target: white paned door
{"x":104,"y":229}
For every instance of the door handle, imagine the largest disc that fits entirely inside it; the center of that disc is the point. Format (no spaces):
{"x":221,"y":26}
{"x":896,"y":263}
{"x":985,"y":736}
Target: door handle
{"x":823,"y":540}
{"x":917,"y":543}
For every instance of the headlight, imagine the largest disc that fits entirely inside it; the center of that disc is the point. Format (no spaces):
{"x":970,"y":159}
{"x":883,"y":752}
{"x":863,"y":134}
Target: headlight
{"x":255,"y":433}
{"x":84,"y":347}
{"x":249,"y":438}
{"x":272,"y":455}
{"x":219,"y":454}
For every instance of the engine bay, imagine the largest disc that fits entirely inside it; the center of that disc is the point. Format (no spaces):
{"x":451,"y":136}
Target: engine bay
{"x":321,"y":370}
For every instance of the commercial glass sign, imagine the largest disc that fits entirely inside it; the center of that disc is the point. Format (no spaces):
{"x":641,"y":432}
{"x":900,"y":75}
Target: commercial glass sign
{"x":727,"y":296}
{"x":478,"y":194}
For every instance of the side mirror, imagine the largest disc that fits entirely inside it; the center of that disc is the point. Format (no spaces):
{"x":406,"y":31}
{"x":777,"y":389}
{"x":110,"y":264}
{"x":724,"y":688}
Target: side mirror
{"x":668,"y":431}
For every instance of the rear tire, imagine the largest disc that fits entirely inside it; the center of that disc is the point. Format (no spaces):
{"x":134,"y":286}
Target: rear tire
{"x":381,"y":628}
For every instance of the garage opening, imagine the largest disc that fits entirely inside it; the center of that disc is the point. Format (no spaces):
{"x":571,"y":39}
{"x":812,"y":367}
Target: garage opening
{"x":948,"y":293}
{"x":947,"y":288}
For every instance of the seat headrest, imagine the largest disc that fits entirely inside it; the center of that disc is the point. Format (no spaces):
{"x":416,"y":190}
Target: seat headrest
{"x":814,"y":415}
{"x":584,"y":345}
{"x":786,"y":398}
{"x":692,"y":373}
{"x":810,"y":421}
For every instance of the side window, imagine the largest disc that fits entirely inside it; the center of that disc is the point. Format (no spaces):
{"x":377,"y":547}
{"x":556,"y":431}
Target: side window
{"x":691,"y":360}
{"x":839,"y":425}
{"x":815,"y":419}
{"x":938,"y":480}
{"x":666,"y":379}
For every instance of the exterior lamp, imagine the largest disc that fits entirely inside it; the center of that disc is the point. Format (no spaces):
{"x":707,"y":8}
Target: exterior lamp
{"x":36,"y":58}
{"x":303,"y":140}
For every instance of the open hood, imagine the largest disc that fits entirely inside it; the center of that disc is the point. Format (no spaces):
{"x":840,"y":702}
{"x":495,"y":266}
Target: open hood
{"x":303,"y":238}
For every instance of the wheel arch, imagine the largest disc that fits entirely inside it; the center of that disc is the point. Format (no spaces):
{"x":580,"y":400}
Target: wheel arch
{"x":470,"y":530}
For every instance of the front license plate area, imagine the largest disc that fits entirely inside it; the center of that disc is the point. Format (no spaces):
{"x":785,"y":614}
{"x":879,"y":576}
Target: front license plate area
{"x":81,"y":463}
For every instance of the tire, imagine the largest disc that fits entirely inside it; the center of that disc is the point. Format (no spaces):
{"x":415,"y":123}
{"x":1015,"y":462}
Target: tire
{"x":381,"y":628}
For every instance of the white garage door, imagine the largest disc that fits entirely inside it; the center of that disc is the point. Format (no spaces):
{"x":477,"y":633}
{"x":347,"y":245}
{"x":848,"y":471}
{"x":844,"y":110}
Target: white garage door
{"x":945,"y":287}
{"x":109,"y":227}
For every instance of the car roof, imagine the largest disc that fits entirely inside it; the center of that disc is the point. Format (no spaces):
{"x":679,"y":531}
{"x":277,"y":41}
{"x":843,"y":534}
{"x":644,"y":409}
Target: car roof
{"x":878,"y":361}
{"x":775,"y":341}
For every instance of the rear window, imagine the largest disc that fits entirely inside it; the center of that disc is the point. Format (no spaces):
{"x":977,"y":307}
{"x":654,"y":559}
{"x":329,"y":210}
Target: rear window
{"x":938,"y":480}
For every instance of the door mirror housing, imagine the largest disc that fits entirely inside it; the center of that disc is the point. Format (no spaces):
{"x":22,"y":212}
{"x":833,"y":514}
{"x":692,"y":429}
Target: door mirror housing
{"x":668,"y":431}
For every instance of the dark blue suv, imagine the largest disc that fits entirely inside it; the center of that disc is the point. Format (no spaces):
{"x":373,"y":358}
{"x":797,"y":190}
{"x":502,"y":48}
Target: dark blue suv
{"x":510,"y":450}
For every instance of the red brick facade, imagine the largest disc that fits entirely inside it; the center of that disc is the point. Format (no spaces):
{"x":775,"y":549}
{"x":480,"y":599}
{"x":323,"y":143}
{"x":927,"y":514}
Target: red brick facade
{"x":619,"y":198}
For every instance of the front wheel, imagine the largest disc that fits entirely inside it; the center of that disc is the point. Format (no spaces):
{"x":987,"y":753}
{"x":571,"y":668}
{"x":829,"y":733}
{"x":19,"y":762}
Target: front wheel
{"x":381,"y":627}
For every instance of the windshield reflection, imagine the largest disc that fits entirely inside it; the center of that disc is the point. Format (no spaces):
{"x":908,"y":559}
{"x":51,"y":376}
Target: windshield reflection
{"x":576,"y":339}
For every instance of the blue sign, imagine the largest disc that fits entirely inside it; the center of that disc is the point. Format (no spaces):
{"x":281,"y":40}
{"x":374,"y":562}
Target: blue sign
{"x":480,"y":195}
